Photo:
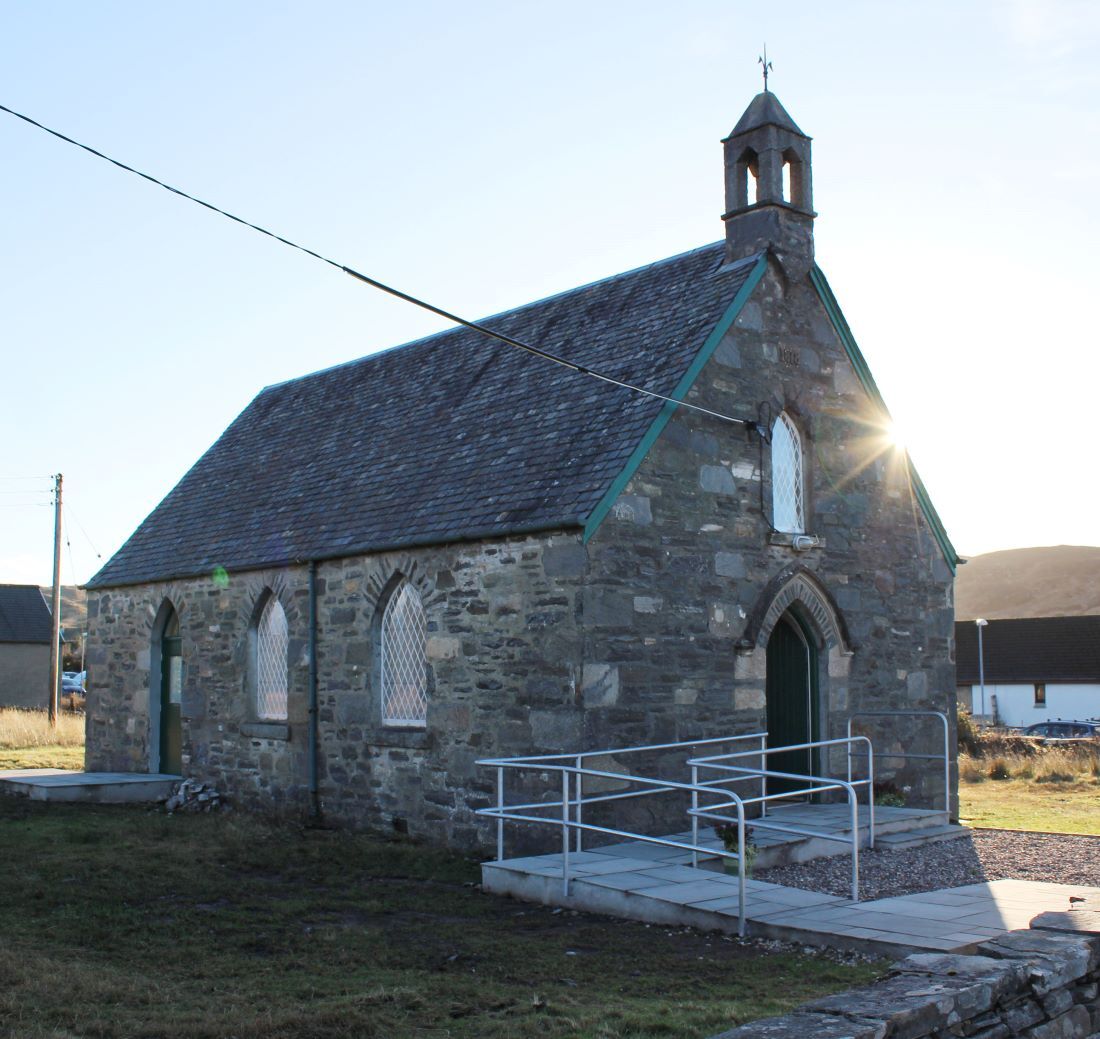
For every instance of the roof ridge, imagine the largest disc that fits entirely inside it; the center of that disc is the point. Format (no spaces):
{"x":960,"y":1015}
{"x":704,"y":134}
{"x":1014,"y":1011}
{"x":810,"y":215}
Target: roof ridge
{"x":501,"y":314}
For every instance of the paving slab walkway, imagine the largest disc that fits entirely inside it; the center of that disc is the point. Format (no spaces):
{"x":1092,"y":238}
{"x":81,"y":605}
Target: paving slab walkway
{"x":649,"y":882}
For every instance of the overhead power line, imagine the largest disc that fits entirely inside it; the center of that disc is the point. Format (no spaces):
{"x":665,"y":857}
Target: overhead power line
{"x":75,"y":519}
{"x":389,"y":289}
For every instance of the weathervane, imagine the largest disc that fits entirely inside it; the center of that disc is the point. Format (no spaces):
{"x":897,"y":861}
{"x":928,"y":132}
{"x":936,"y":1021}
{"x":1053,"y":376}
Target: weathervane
{"x":767,"y":66}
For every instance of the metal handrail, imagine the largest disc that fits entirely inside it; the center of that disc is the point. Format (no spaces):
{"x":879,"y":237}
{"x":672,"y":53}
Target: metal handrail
{"x":578,"y":759}
{"x":502,"y":812}
{"x":819,"y":784}
{"x":572,"y":771}
{"x":945,"y":757}
{"x":812,"y":744}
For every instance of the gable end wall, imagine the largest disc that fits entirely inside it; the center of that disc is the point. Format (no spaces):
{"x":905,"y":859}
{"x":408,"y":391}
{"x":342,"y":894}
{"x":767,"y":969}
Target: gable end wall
{"x":684,"y":573}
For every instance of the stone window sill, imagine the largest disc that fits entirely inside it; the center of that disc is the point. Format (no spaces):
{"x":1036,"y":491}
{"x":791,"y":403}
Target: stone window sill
{"x":266,"y":730}
{"x":409,"y":738}
{"x":796,"y":542}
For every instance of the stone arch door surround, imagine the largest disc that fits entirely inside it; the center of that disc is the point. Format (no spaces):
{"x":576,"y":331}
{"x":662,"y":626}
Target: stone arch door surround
{"x":797,"y":591}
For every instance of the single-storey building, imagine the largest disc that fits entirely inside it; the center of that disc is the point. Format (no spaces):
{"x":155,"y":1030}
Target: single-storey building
{"x":386,"y":570}
{"x":25,"y":633}
{"x":1037,"y":669}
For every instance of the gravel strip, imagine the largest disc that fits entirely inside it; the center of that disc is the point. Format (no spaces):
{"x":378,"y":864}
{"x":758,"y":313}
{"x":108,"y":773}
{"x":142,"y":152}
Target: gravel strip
{"x":980,"y":856}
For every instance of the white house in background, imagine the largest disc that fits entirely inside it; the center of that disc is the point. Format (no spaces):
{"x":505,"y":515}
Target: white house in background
{"x":1037,"y":669}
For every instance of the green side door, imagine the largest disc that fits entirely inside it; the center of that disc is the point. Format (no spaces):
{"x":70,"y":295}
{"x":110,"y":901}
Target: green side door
{"x":790,"y":702}
{"x":171,"y":689}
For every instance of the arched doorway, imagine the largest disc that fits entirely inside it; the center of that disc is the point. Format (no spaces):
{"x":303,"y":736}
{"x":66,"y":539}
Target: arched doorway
{"x":167,"y":682}
{"x":792,"y":700}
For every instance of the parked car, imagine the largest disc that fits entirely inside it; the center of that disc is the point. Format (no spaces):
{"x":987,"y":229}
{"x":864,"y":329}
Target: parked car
{"x":1064,"y":730}
{"x":72,"y":681}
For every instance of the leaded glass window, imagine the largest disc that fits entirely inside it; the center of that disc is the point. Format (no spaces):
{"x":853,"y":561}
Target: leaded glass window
{"x":271,"y":652}
{"x":788,"y":481}
{"x":404,"y":667}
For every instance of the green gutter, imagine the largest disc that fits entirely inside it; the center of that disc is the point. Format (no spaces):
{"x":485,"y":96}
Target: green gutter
{"x":596,"y":517}
{"x":920,"y":492}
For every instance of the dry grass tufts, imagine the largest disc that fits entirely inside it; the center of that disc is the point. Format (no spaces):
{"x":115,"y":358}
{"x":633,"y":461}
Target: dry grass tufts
{"x":970,"y":771}
{"x":1072,"y":763}
{"x":22,"y":729}
{"x":1000,"y":769}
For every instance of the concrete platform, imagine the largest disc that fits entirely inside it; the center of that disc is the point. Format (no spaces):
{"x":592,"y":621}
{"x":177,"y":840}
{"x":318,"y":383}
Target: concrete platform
{"x":54,"y":784}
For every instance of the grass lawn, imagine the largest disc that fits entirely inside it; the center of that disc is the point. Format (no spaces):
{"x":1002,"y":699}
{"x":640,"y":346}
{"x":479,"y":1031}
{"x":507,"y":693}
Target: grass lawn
{"x":1019,"y":783}
{"x":1023,"y":804}
{"x":41,"y":757}
{"x":124,"y":921}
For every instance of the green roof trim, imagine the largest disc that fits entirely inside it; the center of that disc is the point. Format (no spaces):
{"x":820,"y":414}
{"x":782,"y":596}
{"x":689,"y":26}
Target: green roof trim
{"x":836,"y":316}
{"x":597,"y":515}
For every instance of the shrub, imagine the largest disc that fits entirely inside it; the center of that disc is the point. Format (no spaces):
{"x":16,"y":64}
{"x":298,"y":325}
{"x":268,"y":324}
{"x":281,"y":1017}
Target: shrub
{"x":727,"y":834}
{"x":969,"y":741}
{"x":970,"y":771}
{"x":887,"y":795}
{"x":999,"y":769}
{"x":1056,"y":777}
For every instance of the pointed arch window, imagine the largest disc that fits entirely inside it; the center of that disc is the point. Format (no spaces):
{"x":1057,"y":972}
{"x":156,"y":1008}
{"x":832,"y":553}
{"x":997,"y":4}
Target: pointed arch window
{"x":404,"y":664}
{"x":788,"y":480}
{"x":272,"y":643}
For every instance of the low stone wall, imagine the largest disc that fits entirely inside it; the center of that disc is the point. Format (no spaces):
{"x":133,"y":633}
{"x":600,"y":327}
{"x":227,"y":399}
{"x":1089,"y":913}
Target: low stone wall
{"x":1042,"y":983}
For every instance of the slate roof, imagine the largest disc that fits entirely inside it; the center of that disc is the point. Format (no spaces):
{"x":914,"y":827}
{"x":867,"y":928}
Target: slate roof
{"x":1035,"y":649}
{"x":447,"y":438}
{"x":24,"y":615}
{"x":765,"y":110}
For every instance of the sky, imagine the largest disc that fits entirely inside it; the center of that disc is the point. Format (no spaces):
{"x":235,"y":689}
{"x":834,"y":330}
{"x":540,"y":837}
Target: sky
{"x":487,"y":154}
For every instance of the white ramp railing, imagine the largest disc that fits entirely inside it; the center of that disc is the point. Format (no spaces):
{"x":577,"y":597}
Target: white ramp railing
{"x":730,"y":764}
{"x":709,"y":795}
{"x":944,"y":758}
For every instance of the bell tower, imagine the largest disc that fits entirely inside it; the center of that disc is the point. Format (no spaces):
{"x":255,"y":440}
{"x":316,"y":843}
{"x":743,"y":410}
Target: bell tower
{"x":769,"y":188}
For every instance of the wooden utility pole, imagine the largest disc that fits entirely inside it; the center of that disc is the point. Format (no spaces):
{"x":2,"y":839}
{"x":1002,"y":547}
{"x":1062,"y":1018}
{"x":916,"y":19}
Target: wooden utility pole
{"x":55,"y":619}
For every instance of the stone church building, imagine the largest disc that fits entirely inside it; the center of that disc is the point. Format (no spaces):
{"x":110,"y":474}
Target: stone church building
{"x":386,"y":570}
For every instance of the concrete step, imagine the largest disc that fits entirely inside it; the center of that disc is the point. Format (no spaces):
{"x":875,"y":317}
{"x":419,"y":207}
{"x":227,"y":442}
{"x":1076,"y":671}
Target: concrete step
{"x":915,"y":838}
{"x":777,"y":848}
{"x":48,"y":784}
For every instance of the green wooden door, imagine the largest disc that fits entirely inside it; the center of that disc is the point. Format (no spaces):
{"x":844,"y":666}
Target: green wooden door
{"x":171,"y":688}
{"x":790,"y":702}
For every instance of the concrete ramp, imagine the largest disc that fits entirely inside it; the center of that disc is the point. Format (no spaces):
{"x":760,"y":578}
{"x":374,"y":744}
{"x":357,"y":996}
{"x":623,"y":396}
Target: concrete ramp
{"x":650,"y":885}
{"x":54,"y":784}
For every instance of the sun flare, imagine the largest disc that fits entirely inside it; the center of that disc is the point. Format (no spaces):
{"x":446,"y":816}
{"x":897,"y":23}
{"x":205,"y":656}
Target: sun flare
{"x":895,"y":436}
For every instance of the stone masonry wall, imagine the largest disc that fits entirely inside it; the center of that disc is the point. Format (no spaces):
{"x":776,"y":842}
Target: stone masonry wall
{"x":503,"y":655}
{"x":1042,"y":983}
{"x":687,"y":577}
